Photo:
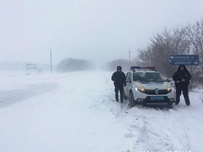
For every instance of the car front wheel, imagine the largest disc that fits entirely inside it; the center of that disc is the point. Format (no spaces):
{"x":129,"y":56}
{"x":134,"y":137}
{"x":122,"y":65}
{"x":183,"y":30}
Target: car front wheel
{"x":131,"y":98}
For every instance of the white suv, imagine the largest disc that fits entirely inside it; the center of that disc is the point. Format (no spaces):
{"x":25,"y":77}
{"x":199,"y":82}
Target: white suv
{"x":145,"y":85}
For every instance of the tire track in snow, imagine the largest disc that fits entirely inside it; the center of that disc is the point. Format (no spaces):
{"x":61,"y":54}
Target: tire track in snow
{"x":13,"y":96}
{"x":143,"y":129}
{"x":142,"y":137}
{"x":147,"y":139}
{"x":171,"y":131}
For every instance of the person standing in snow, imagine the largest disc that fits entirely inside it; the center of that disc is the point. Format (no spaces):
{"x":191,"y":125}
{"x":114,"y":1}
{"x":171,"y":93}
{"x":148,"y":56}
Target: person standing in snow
{"x":119,"y":80}
{"x":182,"y":79}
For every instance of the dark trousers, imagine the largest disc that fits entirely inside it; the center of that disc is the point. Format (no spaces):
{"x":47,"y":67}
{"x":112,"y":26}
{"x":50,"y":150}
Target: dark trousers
{"x":119,"y":89}
{"x":184,"y":89}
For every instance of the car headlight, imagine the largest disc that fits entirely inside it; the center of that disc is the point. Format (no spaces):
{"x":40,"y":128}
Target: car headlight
{"x":169,"y":89}
{"x":140,"y":89}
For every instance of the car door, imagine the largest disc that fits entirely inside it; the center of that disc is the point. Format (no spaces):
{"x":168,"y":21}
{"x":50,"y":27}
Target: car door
{"x":128,"y":84}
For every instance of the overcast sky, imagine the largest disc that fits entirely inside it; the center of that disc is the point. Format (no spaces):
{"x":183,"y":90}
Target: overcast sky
{"x":101,"y":30}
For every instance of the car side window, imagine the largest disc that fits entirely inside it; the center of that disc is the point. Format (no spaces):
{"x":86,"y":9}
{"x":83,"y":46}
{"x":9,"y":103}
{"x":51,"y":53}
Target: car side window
{"x":136,"y":77}
{"x":128,"y":77}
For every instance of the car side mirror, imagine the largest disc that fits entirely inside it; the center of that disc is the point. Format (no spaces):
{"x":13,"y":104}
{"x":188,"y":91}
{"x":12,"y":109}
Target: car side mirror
{"x":167,"y":80}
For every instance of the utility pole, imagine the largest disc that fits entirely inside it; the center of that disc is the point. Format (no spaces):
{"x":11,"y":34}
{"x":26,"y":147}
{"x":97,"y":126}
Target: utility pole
{"x":51,"y":60}
{"x":129,"y":56}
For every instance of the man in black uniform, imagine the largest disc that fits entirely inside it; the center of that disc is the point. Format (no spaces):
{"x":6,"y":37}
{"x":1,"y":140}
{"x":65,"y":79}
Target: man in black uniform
{"x":182,"y":79}
{"x":119,"y":80}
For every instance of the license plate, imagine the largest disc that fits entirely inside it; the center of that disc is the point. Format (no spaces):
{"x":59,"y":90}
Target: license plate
{"x":157,"y":98}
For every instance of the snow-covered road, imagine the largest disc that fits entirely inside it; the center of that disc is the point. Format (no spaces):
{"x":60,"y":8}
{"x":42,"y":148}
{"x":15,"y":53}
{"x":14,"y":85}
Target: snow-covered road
{"x":76,"y":112}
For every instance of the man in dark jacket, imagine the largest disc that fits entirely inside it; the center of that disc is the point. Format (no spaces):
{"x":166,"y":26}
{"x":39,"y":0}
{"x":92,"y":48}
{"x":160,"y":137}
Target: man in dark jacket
{"x":182,"y":79}
{"x":119,"y":80}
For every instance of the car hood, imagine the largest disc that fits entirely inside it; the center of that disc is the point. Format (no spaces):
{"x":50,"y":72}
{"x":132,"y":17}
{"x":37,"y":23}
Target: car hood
{"x":152,"y":85}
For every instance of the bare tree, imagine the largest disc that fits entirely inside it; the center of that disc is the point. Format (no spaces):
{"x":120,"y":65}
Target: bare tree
{"x":163,"y":45}
{"x":70,"y":64}
{"x":195,"y":35}
{"x":186,"y":40}
{"x":144,"y":57}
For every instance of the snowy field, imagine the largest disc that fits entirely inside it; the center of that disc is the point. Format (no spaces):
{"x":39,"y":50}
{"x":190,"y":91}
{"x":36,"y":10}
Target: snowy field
{"x":76,"y":112}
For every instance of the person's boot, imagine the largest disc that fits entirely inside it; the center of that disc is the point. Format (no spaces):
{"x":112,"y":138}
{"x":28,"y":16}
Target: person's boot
{"x":187,"y":101}
{"x":121,"y":97}
{"x":116,"y":96}
{"x":186,"y":97}
{"x":177,"y":101}
{"x":121,"y":100}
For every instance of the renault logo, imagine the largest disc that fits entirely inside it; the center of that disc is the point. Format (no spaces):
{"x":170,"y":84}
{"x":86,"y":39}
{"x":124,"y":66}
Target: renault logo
{"x":156,"y":91}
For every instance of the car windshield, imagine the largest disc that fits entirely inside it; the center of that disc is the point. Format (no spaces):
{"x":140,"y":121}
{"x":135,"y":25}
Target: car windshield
{"x":147,"y":77}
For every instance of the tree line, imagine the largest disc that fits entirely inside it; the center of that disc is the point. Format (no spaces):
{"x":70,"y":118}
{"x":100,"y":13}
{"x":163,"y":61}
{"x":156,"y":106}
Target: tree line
{"x":70,"y":64}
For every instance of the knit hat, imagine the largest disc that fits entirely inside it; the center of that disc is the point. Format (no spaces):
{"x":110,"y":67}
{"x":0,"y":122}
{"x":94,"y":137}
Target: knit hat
{"x":119,"y":68}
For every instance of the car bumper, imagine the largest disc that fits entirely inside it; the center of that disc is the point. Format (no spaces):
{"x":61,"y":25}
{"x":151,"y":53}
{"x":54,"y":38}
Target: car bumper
{"x":144,"y":99}
{"x":166,"y":101}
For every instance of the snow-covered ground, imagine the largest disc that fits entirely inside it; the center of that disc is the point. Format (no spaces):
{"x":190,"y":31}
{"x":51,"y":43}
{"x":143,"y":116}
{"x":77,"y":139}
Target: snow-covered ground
{"x":76,"y":112}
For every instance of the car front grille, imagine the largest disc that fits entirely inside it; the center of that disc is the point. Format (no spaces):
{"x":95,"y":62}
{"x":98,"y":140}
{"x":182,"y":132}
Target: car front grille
{"x":152,"y":92}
